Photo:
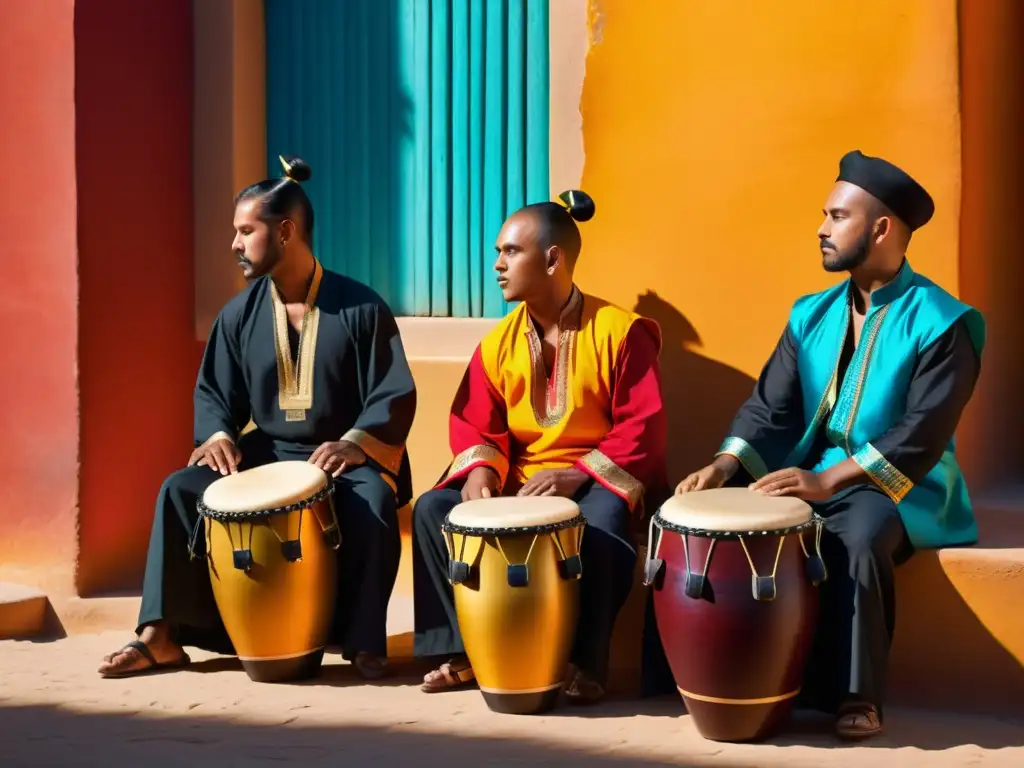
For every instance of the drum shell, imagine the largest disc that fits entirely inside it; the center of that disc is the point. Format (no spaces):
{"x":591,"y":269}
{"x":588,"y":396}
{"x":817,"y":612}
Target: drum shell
{"x":278,"y":614}
{"x":518,"y":639}
{"x":738,"y":662}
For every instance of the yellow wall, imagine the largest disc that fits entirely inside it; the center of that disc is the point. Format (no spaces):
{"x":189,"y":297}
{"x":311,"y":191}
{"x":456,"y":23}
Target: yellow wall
{"x":712,"y":133}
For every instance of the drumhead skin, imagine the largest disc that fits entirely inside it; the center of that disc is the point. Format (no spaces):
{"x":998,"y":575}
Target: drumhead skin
{"x":511,"y":512}
{"x":735,"y":509}
{"x":268,"y":487}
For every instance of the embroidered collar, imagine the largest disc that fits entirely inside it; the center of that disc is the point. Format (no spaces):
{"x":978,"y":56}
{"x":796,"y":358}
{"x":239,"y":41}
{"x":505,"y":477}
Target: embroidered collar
{"x":571,"y":316}
{"x":895,"y":288}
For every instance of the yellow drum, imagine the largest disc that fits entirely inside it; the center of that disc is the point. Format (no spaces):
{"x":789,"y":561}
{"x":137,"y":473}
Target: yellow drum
{"x":271,"y":532}
{"x":515,"y":567}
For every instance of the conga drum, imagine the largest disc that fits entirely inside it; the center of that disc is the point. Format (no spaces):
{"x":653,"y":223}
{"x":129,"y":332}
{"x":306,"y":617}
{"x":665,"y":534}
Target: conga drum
{"x":271,"y":532}
{"x":514,"y":564}
{"x":735,"y":604}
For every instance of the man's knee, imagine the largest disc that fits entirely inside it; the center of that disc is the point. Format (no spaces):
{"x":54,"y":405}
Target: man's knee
{"x":876,"y":535}
{"x":190,"y":481}
{"x":607,"y":513}
{"x":430,"y":510}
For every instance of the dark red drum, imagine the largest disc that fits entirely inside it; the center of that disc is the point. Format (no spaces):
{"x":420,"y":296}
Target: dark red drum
{"x":736,"y":605}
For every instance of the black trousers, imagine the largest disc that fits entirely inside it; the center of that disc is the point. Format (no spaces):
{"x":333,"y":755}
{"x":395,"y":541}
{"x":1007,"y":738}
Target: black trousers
{"x":177,"y":587}
{"x":863,"y":543}
{"x":608,"y":557}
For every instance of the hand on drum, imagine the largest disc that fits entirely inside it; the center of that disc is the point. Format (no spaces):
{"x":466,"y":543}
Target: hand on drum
{"x":714,"y":475}
{"x":220,"y":456}
{"x":809,"y":486}
{"x":481,"y":483}
{"x":336,"y":457}
{"x":554,"y":482}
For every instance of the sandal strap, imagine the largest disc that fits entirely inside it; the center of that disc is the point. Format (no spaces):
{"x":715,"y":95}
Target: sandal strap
{"x":143,"y":650}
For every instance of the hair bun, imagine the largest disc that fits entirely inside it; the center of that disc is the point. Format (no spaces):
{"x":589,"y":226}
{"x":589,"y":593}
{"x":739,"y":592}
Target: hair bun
{"x":295,"y":168}
{"x":579,"y":204}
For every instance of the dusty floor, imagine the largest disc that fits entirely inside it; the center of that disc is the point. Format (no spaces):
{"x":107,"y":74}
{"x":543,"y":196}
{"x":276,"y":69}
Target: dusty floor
{"x":54,"y":710}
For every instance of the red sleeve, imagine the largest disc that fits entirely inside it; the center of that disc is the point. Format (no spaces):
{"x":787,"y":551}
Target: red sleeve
{"x":477,"y":426}
{"x":630,"y":459}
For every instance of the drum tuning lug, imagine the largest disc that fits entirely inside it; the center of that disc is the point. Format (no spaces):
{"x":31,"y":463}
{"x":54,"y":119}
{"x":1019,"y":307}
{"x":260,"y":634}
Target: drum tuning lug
{"x":816,"y":570}
{"x":292,"y":550}
{"x":695,"y":585}
{"x":242,"y":559}
{"x":763,"y":587}
{"x":333,"y":536}
{"x":652,"y":569}
{"x":458,"y":571}
{"x":518,"y":575}
{"x":571,"y":567}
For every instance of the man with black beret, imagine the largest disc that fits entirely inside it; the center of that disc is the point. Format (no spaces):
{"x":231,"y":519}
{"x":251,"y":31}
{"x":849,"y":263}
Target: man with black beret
{"x":855,"y":413}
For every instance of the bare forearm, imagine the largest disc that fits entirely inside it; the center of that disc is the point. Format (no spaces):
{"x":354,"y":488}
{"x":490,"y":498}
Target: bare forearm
{"x":843,"y":475}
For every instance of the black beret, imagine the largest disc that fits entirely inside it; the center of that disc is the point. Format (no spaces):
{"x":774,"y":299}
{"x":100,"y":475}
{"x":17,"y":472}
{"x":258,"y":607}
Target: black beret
{"x":895,"y":188}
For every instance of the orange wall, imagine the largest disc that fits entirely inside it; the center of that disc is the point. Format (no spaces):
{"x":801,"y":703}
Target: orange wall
{"x":38,"y":292}
{"x":137,"y":343}
{"x":991,"y":268}
{"x":712,"y":134}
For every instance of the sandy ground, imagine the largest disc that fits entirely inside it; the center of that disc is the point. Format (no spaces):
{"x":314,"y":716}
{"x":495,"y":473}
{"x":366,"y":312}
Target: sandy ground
{"x":54,"y":710}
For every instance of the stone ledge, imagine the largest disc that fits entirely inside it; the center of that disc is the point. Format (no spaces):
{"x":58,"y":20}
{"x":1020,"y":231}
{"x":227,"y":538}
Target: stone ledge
{"x":23,"y":611}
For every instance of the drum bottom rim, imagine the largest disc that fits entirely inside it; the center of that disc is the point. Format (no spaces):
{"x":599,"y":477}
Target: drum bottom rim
{"x":739,"y":702}
{"x":516,"y":691}
{"x":284,"y":657}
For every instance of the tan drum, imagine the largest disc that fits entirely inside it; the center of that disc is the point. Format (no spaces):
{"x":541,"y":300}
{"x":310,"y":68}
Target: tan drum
{"x":515,"y":566}
{"x":271,"y":535}
{"x":736,"y":605}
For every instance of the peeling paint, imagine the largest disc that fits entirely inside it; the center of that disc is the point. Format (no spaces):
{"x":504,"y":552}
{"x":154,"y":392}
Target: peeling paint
{"x":596,"y":19}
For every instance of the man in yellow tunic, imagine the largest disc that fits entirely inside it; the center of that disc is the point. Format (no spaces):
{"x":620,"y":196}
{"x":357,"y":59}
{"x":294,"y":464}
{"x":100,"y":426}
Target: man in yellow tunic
{"x":562,"y":398}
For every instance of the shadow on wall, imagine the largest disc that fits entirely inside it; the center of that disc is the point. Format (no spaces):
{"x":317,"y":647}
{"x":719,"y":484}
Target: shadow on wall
{"x":701,"y":394}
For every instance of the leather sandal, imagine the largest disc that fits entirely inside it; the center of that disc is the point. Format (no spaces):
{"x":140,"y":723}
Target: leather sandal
{"x":858,"y":720}
{"x":450,"y":678}
{"x":151,"y":667}
{"x":580,"y":688}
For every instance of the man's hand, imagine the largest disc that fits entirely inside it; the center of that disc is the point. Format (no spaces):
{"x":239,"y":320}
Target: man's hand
{"x":335,"y":457}
{"x":554,"y":482}
{"x":799,"y":483}
{"x":714,"y":475}
{"x":220,"y":455}
{"x":481,"y":483}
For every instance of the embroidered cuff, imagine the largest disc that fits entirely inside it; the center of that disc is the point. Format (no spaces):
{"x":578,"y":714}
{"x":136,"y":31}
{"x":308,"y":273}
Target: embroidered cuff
{"x":388,"y":456}
{"x":744,"y":452}
{"x":886,"y":476}
{"x":477,"y":456}
{"x":613,"y":477}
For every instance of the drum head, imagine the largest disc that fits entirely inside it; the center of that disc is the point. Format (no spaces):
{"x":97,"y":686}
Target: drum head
{"x":268,"y":487}
{"x":513,"y":512}
{"x":734,"y":510}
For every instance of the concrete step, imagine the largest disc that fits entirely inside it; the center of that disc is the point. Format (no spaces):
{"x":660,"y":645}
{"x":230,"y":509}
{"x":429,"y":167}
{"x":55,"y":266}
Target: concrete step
{"x":23,"y":611}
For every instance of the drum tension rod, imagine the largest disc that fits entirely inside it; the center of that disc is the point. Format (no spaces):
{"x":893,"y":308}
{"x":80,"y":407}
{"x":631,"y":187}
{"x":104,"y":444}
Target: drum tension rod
{"x":696,"y":582}
{"x":763,"y":587}
{"x":654,"y":564}
{"x":815,"y":566}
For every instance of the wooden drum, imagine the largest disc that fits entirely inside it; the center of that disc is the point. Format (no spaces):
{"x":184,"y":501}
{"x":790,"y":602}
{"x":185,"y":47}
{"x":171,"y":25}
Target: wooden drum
{"x":271,"y":534}
{"x":736,"y":604}
{"x":515,"y":566}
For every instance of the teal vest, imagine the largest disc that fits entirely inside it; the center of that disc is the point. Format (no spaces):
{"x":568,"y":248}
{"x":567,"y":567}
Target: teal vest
{"x":904,"y":318}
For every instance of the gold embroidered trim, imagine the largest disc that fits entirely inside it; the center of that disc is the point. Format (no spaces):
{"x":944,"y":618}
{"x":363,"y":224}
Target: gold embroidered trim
{"x":745,"y":454}
{"x":569,"y":324}
{"x":883,"y":473}
{"x":615,"y":476}
{"x":862,"y":375}
{"x":295,"y":383}
{"x":388,"y":456}
{"x":481,"y":454}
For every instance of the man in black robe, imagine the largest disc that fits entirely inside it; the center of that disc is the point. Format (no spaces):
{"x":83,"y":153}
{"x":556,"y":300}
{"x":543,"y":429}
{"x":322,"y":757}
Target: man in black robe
{"x":855,"y":413}
{"x":315,"y":361}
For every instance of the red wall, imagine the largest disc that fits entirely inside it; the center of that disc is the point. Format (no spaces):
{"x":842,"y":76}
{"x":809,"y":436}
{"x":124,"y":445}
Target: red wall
{"x":38,"y":292}
{"x":138,"y":352}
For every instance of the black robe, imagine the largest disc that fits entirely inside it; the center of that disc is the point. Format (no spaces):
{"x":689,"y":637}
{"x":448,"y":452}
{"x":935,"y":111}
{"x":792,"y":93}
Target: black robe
{"x":360,"y":389}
